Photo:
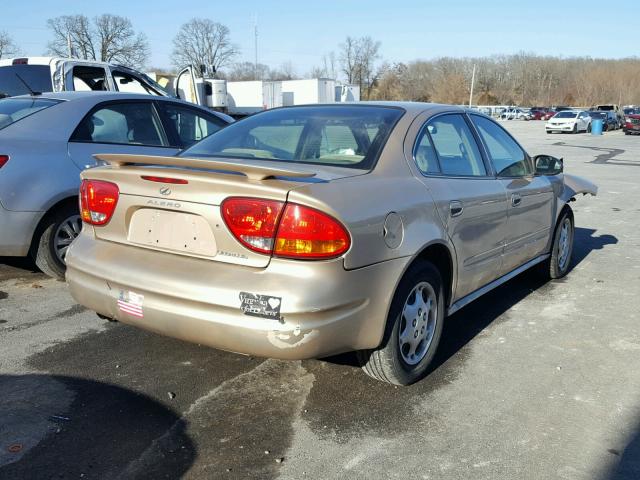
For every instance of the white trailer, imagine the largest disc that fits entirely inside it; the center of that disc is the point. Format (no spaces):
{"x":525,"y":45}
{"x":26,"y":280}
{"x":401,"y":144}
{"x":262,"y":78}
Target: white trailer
{"x":310,"y":91}
{"x":245,"y":98}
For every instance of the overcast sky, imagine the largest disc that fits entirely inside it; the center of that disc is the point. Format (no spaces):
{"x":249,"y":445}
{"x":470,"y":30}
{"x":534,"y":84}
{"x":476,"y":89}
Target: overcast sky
{"x":302,"y":31}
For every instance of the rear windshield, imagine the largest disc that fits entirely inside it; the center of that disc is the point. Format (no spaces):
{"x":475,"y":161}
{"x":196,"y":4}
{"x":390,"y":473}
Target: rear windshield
{"x":347,"y":136}
{"x":566,"y":114}
{"x":597,"y":114}
{"x":14,"y":109}
{"x":38,"y":77}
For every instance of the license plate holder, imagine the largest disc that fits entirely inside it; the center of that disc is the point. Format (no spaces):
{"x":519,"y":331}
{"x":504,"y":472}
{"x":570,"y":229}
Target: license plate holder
{"x":174,"y":231}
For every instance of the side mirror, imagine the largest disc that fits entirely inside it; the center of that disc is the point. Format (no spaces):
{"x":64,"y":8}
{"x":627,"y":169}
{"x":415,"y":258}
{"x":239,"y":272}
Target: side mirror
{"x":548,"y":165}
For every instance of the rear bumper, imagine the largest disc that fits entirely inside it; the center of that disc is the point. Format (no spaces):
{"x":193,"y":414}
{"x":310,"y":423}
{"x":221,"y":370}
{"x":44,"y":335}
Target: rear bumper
{"x":16,"y":231}
{"x":325,"y":309}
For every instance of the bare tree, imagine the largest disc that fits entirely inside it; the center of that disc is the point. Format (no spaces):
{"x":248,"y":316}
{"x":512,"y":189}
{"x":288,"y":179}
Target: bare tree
{"x":358,"y":58}
{"x":203,"y":42}
{"x":7,"y":47}
{"x":244,"y":71}
{"x":107,"y":38}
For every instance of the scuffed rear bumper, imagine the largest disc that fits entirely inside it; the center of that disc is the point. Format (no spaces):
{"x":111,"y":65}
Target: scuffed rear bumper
{"x":325,"y":309}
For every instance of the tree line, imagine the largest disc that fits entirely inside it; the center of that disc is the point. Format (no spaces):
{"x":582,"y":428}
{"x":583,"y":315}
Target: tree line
{"x":519,"y":79}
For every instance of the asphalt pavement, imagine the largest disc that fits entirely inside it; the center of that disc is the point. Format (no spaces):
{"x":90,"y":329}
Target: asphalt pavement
{"x":536,"y":380}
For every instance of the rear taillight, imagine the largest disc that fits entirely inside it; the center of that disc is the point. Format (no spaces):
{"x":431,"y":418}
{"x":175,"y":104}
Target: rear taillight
{"x":308,"y":233}
{"x":3,"y":160}
{"x":98,"y":200}
{"x":252,"y":221}
{"x":284,"y":230}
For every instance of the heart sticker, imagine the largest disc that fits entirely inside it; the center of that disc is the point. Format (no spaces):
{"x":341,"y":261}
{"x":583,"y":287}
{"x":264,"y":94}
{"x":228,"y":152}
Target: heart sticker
{"x":273,"y":302}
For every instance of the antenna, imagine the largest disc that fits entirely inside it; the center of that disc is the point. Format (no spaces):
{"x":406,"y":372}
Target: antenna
{"x":255,"y":39}
{"x":31,"y":92}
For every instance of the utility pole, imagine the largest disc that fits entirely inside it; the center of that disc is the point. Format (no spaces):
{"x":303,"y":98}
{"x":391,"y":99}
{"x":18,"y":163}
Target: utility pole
{"x":473,"y":81}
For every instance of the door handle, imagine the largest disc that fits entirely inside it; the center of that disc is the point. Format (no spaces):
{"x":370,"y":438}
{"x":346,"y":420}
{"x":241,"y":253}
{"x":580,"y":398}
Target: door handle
{"x":516,"y":199}
{"x":455,"y":208}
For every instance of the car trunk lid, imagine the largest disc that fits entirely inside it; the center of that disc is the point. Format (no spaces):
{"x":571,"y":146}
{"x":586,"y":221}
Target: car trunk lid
{"x":172,"y":204}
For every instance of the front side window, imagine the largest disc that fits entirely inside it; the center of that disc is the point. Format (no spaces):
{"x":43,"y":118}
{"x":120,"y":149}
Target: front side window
{"x":133,"y":123}
{"x":189,"y":125}
{"x":507,"y":157}
{"x":347,"y":136}
{"x":129,"y":84}
{"x":456,"y":147}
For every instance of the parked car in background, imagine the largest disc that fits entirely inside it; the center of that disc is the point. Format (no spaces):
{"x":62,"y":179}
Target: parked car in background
{"x":609,"y":122}
{"x":515,"y":114}
{"x":569,"y":121}
{"x":632,"y":122}
{"x":538,"y":113}
{"x":283,"y":251}
{"x":611,"y":107}
{"x":47,"y":140}
{"x":549,"y":113}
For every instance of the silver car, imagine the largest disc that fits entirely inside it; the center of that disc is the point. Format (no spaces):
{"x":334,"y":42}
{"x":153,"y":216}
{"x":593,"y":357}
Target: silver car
{"x":47,"y":140}
{"x":309,"y":231}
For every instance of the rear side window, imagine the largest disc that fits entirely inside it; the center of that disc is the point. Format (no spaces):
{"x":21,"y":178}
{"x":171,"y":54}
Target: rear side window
{"x":14,"y":109}
{"x":456,"y":147}
{"x":341,"y":135}
{"x":424,"y":154}
{"x":133,"y":123}
{"x":189,"y":125}
{"x":507,"y":157}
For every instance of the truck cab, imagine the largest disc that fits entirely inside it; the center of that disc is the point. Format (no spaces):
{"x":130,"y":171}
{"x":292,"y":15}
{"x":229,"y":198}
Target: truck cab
{"x":19,"y":76}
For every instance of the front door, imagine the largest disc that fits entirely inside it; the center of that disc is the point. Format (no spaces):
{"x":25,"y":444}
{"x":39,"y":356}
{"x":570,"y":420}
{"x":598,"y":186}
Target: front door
{"x":470,"y":201}
{"x":530,"y":197}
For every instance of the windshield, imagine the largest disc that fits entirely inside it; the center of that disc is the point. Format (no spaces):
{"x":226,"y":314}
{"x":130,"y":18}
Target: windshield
{"x":14,"y":109}
{"x":597,"y":114}
{"x":348,"y":136}
{"x":566,"y":114}
{"x":38,"y":77}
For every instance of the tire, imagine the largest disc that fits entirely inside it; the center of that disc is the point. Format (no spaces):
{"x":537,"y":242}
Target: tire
{"x":557,"y":266}
{"x":589,"y":128}
{"x":575,"y":128}
{"x":392,"y":361}
{"x":549,"y":132}
{"x":58,"y":230}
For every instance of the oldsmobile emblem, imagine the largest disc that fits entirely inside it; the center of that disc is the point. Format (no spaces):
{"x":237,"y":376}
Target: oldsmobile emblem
{"x":165,"y":191}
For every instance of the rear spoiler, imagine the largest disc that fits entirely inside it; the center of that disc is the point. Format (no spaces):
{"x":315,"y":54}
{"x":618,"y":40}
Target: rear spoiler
{"x":253,"y":171}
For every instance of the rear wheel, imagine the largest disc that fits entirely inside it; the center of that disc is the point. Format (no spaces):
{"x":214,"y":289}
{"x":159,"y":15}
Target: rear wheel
{"x":413,"y":330}
{"x":589,"y":128}
{"x":59,"y":229}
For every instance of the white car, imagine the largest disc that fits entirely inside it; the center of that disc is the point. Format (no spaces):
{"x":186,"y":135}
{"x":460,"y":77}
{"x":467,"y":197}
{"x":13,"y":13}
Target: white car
{"x":572,"y":121}
{"x":515,"y":114}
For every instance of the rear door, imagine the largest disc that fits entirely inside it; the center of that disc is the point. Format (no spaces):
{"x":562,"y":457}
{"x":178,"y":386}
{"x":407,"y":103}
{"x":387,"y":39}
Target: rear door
{"x":119,"y":127}
{"x":471,"y":202}
{"x":530,"y":198}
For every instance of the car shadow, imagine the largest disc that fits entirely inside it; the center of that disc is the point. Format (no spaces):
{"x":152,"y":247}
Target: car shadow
{"x":461,"y":327}
{"x":627,"y":466}
{"x":68,"y":427}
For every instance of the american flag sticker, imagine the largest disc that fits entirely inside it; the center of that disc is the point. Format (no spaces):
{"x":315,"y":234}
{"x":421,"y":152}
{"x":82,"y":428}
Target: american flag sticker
{"x":131,"y":303}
